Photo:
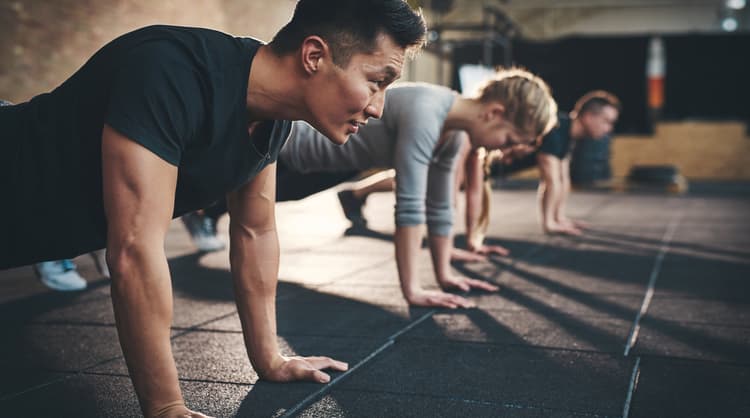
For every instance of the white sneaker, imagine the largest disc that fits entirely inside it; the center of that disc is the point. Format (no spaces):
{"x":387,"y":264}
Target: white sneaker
{"x":60,"y":275}
{"x":101,"y":262}
{"x":202,"y":230}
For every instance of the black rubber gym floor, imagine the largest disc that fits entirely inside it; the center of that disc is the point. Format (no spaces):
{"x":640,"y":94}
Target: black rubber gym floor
{"x":647,"y":315}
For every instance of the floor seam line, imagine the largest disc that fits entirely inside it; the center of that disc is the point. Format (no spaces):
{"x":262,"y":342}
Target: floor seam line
{"x":632,"y":387}
{"x":666,"y":240}
{"x":324,"y":390}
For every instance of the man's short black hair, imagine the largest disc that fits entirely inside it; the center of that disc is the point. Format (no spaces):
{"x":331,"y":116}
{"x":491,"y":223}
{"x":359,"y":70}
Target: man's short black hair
{"x":351,"y":26}
{"x":595,"y":101}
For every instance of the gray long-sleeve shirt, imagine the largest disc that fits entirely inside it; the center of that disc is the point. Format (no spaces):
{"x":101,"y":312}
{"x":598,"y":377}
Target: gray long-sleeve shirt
{"x":406,"y":139}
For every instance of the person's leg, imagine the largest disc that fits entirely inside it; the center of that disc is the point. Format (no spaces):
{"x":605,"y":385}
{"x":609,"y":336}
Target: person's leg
{"x":291,"y":185}
{"x":217,"y":210}
{"x":202,"y":228}
{"x":384,"y":181}
{"x":100,"y":261}
{"x":353,"y":199}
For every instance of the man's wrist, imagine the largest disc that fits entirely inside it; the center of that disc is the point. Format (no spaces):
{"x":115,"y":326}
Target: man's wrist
{"x":264,"y":366}
{"x":166,"y":409}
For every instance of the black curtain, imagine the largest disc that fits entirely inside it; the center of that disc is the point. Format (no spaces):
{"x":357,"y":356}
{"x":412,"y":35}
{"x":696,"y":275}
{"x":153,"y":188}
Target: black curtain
{"x":708,"y":75}
{"x":574,"y":66}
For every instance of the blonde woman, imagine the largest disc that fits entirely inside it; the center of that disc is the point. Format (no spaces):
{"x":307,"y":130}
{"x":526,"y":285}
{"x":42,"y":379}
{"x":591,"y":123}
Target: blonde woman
{"x":419,"y":136}
{"x":593,"y":116}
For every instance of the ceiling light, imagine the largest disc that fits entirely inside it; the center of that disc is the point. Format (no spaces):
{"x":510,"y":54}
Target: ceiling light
{"x":736,"y":4}
{"x":729,"y":24}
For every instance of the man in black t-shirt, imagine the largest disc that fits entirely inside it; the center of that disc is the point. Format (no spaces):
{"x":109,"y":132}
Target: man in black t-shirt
{"x":166,"y":120}
{"x":593,"y":116}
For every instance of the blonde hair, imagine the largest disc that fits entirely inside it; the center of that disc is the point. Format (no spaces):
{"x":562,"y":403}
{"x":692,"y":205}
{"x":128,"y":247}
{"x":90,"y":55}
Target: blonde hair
{"x":475,"y":236}
{"x":528,"y":101}
{"x":530,"y":107}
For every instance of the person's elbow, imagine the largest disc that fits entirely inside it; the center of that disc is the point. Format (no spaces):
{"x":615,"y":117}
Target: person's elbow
{"x":128,"y":257}
{"x":253,"y":219}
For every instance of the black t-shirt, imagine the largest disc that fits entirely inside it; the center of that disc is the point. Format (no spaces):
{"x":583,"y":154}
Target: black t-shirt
{"x":558,"y":142}
{"x":180,"y":92}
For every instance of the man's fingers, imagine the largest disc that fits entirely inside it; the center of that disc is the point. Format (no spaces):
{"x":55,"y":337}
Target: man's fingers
{"x":308,"y":368}
{"x":320,"y":377}
{"x":305,"y":372}
{"x":320,"y":362}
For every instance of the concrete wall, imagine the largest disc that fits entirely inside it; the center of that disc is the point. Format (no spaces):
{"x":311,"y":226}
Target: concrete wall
{"x":42,"y":42}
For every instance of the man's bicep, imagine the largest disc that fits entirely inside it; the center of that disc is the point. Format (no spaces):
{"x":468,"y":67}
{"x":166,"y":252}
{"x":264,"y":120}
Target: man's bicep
{"x":138,"y":189}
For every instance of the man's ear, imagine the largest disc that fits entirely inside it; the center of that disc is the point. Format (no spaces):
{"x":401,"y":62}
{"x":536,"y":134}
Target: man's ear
{"x":314,"y":50}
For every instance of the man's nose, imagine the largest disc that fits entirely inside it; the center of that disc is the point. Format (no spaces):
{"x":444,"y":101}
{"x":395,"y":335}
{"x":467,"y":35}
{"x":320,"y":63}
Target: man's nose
{"x":375,"y":108}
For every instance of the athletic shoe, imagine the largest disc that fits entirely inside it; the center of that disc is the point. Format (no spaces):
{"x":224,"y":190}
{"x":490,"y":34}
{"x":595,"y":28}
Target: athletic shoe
{"x":202,"y":230}
{"x":352,"y":207}
{"x":60,"y":275}
{"x":101,"y":262}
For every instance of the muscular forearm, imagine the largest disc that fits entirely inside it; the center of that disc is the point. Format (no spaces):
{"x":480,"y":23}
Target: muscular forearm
{"x":254,"y":259}
{"x":142,"y":301}
{"x":408,"y":240}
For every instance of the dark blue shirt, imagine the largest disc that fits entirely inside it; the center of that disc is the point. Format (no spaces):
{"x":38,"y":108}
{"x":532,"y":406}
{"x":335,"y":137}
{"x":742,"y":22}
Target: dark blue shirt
{"x":558,"y":142}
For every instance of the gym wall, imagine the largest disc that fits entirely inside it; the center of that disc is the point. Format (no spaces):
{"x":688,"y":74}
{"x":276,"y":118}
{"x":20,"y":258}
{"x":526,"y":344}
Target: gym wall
{"x":43,"y":42}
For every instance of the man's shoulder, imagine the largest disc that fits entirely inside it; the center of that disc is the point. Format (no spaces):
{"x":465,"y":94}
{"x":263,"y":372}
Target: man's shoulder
{"x":171,"y":31}
{"x":207,"y":45}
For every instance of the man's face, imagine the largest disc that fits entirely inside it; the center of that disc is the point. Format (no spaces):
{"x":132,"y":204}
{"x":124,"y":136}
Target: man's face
{"x":599,"y":124}
{"x":344,"y":98}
